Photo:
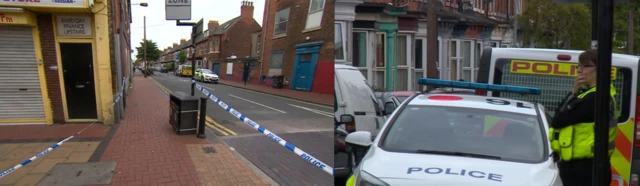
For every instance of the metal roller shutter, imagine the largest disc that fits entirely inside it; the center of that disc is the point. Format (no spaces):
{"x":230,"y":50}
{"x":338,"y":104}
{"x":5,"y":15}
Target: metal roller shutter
{"x":20,"y":94}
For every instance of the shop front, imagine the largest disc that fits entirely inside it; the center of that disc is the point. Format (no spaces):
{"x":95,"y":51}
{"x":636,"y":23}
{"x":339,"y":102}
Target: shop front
{"x":55,"y":62}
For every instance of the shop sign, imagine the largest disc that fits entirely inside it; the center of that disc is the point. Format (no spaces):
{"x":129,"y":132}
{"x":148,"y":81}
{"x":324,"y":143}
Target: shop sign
{"x":74,"y":25}
{"x":11,"y":18}
{"x":6,"y":18}
{"x":45,"y":3}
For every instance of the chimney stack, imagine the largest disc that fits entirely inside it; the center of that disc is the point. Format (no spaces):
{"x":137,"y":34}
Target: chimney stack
{"x":175,"y":45}
{"x":182,"y":41}
{"x":213,"y":25}
{"x":246,"y":10}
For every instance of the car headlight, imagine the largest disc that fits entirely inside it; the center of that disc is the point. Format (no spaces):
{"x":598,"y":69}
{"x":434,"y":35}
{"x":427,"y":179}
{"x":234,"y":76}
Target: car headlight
{"x":363,"y":178}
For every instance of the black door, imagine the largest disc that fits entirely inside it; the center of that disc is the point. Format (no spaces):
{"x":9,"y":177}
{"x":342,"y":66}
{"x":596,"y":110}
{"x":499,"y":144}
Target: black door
{"x":77,"y":64}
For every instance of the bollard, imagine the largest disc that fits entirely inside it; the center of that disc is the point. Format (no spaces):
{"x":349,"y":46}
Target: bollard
{"x":203,"y":115}
{"x":193,"y":88}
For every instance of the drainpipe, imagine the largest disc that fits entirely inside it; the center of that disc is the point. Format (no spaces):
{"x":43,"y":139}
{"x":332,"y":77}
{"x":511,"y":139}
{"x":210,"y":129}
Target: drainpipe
{"x":264,"y":39}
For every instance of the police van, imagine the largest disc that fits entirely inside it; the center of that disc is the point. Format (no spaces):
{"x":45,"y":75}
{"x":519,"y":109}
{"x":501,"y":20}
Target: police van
{"x":459,"y":140}
{"x":553,"y":71}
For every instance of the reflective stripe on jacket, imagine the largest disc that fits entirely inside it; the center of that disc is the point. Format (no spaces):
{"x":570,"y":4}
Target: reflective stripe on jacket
{"x":577,"y":141}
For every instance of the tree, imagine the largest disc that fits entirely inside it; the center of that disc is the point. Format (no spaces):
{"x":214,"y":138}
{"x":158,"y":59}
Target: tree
{"x":547,"y":24}
{"x":153,"y":53}
{"x":183,"y":56}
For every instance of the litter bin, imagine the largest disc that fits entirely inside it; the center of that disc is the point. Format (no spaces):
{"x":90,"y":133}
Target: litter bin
{"x":184,"y":113}
{"x":278,"y":81}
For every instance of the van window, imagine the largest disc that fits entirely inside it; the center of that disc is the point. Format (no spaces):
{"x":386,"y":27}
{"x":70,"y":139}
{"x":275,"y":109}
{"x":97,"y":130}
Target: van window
{"x":555,"y":83}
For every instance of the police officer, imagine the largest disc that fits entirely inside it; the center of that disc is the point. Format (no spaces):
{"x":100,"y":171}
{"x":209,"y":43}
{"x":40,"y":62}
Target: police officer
{"x":572,"y":128}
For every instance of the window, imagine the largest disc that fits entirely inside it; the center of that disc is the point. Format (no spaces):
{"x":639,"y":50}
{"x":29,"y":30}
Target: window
{"x":314,"y":18}
{"x":340,"y":43}
{"x":216,"y":45}
{"x":478,"y":54}
{"x":282,"y":18}
{"x":402,"y":74}
{"x":211,"y":46}
{"x":518,"y":137}
{"x":553,"y":88}
{"x":380,"y":49}
{"x":277,"y":60}
{"x":419,"y":54}
{"x":359,"y":49}
{"x":466,"y":61}
{"x":258,"y":44}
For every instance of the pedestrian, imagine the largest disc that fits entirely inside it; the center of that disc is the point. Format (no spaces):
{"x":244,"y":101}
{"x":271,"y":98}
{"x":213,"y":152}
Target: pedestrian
{"x":572,"y":128}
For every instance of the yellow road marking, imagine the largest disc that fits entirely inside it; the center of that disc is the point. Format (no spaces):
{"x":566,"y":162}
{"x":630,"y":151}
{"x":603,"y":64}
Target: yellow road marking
{"x":211,"y":123}
{"x":220,"y":126}
{"x":216,"y":128}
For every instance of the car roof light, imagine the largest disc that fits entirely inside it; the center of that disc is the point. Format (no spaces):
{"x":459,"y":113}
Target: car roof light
{"x":479,"y":86}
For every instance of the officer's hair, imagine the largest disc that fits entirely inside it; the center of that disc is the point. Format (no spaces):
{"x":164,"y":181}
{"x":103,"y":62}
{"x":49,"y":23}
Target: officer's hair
{"x":589,"y":55}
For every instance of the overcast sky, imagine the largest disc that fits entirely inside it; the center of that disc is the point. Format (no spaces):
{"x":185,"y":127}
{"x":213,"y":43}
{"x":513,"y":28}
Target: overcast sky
{"x":165,"y":33}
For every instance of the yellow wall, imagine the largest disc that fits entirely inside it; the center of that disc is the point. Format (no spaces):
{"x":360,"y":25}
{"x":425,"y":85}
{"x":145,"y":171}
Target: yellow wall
{"x":29,"y":19}
{"x":101,"y":60}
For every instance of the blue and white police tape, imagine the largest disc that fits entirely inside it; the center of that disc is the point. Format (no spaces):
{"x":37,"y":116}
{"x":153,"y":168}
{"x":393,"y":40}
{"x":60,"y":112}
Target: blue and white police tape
{"x":2,"y":174}
{"x":54,"y":146}
{"x":316,"y":162}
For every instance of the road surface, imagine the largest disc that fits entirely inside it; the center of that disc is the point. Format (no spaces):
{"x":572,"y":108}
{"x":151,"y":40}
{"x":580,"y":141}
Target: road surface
{"x":307,"y":125}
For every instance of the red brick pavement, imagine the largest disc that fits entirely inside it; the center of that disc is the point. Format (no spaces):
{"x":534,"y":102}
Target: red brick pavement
{"x":98,"y":130}
{"x":146,"y":148}
{"x":324,"y":99}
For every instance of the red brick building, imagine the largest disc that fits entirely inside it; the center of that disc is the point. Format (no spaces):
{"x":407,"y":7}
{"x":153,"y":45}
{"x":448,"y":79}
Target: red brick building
{"x":219,"y":42}
{"x":298,"y":44}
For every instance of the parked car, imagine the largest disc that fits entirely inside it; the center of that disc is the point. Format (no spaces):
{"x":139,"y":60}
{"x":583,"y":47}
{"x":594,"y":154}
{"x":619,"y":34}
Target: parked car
{"x":384,"y":97}
{"x":403,"y":95}
{"x":206,"y":75}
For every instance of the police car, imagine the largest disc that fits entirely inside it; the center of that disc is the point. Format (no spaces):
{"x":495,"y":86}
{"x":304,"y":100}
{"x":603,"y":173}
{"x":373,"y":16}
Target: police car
{"x":459,"y":139}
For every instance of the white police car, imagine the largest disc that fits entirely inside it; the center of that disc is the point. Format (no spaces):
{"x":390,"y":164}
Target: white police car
{"x":458,"y":139}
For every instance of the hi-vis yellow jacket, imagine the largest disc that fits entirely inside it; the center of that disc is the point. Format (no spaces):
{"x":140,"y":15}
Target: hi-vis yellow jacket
{"x":576,"y":141}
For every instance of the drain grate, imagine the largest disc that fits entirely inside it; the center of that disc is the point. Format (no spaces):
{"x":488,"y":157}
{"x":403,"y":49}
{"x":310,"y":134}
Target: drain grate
{"x":208,"y":150}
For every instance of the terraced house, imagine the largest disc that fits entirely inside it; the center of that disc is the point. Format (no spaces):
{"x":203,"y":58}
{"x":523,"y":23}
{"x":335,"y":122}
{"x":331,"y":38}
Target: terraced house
{"x":386,"y":39}
{"x":63,"y":61}
{"x":297,"y":47}
{"x":216,"y":46}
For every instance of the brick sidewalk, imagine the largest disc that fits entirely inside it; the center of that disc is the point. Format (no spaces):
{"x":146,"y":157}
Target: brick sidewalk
{"x":323,"y":99}
{"x":149,"y":152}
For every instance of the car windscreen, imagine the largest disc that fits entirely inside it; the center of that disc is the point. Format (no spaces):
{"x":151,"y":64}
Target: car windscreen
{"x":205,"y":71}
{"x":509,"y":136}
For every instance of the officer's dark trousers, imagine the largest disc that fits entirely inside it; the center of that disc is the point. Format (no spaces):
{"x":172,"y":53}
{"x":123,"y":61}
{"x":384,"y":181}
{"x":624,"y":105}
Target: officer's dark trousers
{"x":579,"y":172}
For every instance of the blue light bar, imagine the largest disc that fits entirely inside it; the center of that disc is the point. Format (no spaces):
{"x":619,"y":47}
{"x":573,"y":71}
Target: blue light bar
{"x":479,"y":86}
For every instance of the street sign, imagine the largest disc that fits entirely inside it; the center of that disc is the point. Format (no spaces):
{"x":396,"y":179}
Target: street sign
{"x":587,"y":1}
{"x":177,"y":9}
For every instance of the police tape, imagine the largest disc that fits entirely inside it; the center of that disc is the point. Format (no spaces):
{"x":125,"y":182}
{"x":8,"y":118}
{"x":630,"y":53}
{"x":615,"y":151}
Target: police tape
{"x":307,"y":157}
{"x":54,"y":146}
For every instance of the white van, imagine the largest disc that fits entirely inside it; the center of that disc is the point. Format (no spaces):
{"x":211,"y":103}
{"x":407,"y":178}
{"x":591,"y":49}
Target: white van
{"x":355,"y":109}
{"x":553,"y":72}
{"x":355,"y":99}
